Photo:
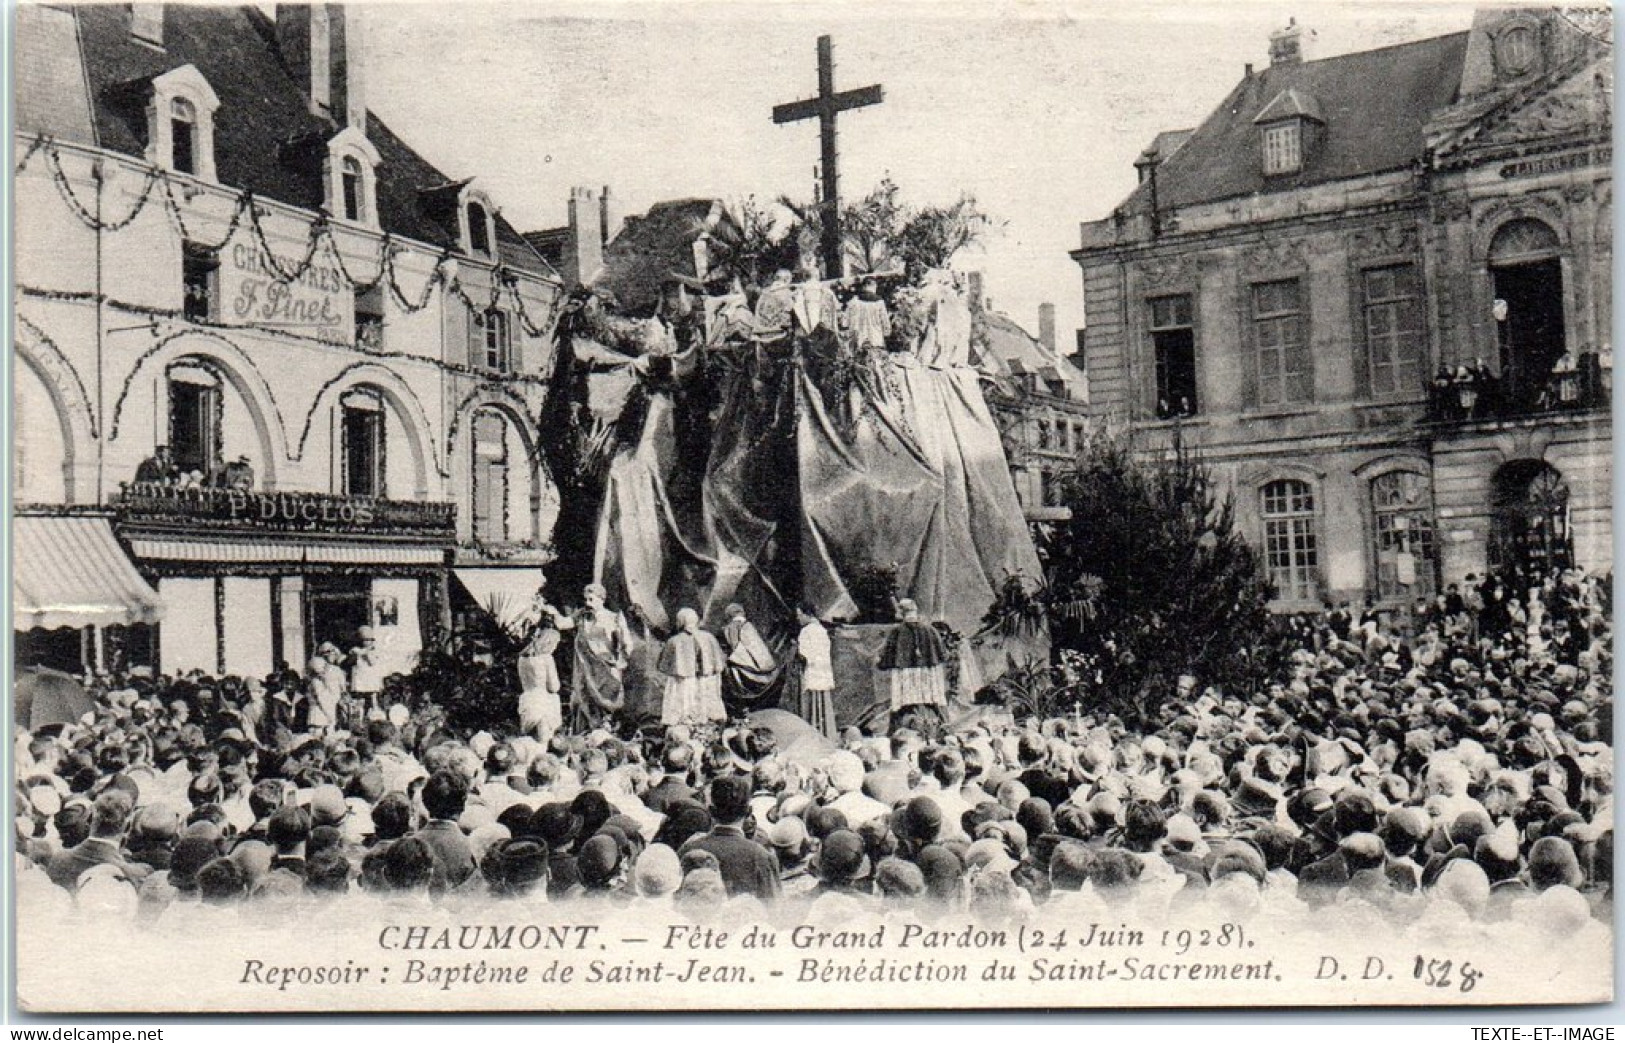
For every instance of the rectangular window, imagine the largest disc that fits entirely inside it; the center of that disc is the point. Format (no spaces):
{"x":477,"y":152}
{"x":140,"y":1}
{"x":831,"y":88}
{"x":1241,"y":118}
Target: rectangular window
{"x":492,"y":341}
{"x":490,"y":478}
{"x":351,"y":184}
{"x":200,"y":268}
{"x":1285,"y":375}
{"x":1393,"y":329}
{"x":1173,"y":340}
{"x":194,"y":432}
{"x":363,"y":451}
{"x":369,"y":319}
{"x":1291,"y":552}
{"x":1283,"y":148}
{"x":184,"y":157}
{"x":1292,"y":557}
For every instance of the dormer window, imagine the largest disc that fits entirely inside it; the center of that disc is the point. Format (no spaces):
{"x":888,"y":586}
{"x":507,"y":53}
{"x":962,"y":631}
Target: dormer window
{"x":349,"y":173}
{"x":1289,"y":126}
{"x":350,"y":183}
{"x":183,"y":136}
{"x":1283,"y":148}
{"x":479,"y":232}
{"x":180,"y":123}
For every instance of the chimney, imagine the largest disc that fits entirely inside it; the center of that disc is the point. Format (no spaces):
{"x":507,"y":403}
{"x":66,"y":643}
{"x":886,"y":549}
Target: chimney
{"x":1147,"y":163}
{"x":1291,"y":46}
{"x":347,"y":83}
{"x":609,"y":221}
{"x":584,"y":255}
{"x":974,"y":293}
{"x":1046,"y":326}
{"x":147,"y":23}
{"x":314,"y":40}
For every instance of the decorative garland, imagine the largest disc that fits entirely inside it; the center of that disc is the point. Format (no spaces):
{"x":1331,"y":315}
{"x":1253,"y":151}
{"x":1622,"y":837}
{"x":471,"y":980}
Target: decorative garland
{"x":65,"y":189}
{"x":150,"y":312}
{"x":504,"y":281}
{"x":22,"y":164}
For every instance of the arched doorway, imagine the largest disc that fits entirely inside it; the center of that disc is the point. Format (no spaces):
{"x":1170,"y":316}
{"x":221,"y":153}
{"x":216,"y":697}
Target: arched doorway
{"x":1530,"y":533}
{"x":1528,"y":277}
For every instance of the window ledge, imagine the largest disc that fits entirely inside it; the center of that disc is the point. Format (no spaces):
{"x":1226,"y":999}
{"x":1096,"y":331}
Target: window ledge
{"x":1173,"y":422}
{"x":1280,"y":414}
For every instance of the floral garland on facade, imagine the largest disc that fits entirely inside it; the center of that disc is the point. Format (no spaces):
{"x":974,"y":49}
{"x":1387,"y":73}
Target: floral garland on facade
{"x":504,"y":281}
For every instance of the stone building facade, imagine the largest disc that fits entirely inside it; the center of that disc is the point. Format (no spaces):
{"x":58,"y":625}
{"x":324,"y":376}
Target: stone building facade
{"x":1374,"y":291}
{"x":1039,"y":400}
{"x":340,"y":350}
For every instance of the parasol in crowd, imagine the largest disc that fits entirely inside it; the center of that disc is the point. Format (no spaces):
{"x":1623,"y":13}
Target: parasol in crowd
{"x":45,"y":697}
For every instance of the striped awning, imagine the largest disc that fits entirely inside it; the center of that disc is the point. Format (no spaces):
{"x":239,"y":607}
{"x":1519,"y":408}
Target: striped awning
{"x":277,"y":551}
{"x":71,"y":572}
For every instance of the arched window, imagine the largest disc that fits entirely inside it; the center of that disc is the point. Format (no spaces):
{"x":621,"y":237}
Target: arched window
{"x":1291,"y":552}
{"x":490,"y":477}
{"x":479,"y":232}
{"x":1530,"y":330}
{"x":362,"y":434}
{"x":354,"y":189}
{"x":1530,"y":531}
{"x":1403,"y":538}
{"x":183,"y":136}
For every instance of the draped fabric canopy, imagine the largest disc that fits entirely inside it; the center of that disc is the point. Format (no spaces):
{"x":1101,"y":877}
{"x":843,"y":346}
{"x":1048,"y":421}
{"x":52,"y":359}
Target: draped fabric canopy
{"x":817,"y":464}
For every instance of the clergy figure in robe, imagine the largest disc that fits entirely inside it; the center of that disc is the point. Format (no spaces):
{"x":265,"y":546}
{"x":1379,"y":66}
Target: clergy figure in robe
{"x":913,"y":664}
{"x":817,"y":669}
{"x":867,"y":319}
{"x":691,"y":664}
{"x":750,"y":680}
{"x":603,"y":647}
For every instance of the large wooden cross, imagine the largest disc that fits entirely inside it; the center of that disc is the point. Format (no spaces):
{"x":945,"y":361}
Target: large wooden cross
{"x":826,"y":107}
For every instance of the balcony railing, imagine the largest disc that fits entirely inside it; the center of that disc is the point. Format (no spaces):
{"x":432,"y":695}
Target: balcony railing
{"x":165,"y":506}
{"x":1478,"y":394}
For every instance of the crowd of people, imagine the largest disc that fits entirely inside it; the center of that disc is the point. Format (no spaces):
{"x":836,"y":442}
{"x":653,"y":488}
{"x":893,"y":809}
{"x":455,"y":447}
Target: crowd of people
{"x":1462,"y":772}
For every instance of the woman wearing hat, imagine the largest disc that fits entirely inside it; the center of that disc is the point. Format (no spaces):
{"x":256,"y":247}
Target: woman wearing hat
{"x":326,"y":681}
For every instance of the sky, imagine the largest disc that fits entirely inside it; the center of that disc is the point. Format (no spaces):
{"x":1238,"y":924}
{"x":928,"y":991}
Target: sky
{"x":1037,"y":108}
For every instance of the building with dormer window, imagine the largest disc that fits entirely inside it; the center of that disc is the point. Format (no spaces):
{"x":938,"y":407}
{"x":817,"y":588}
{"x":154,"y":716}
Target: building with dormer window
{"x":274,"y":377}
{"x":1374,"y":290}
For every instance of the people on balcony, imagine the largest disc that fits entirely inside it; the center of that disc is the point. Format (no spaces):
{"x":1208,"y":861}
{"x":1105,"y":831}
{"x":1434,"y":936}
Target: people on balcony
{"x":1476,"y":393}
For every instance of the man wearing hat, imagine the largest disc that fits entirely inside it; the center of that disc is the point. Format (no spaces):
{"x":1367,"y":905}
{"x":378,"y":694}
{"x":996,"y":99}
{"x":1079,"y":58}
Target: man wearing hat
{"x":912,"y":668}
{"x":842,"y":864}
{"x":747,"y":867}
{"x":109,"y":819}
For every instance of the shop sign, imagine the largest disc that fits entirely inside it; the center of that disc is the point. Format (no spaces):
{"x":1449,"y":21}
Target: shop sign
{"x":216,"y":508}
{"x":319,"y":302}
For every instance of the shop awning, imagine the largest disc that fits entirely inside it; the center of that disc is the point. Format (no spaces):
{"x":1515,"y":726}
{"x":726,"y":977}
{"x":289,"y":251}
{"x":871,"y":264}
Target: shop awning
{"x":71,"y":572}
{"x":505,"y":593}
